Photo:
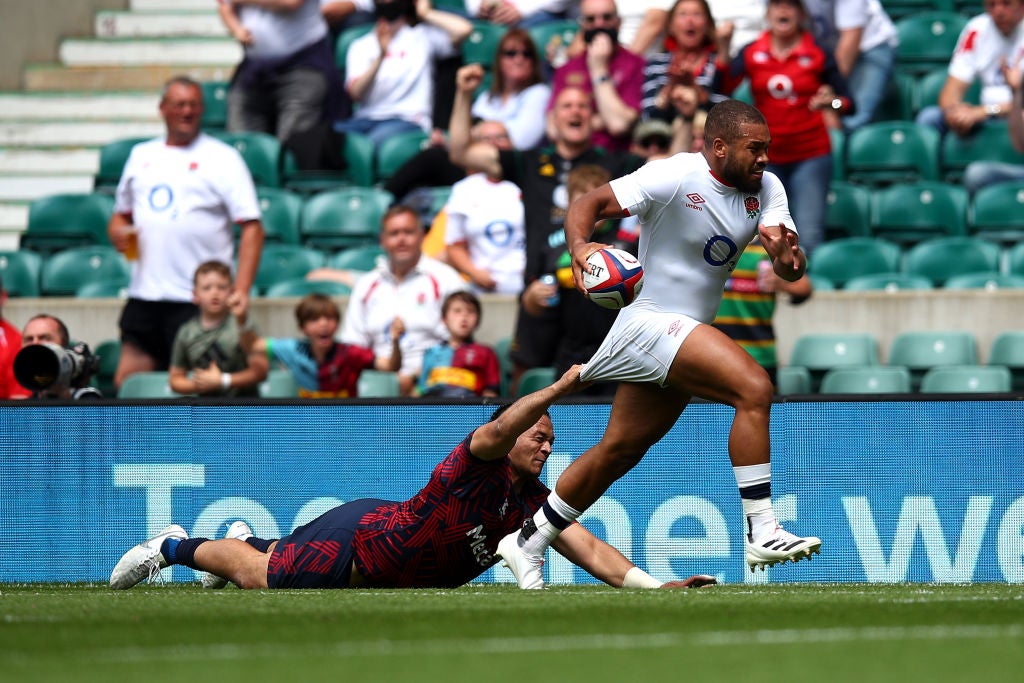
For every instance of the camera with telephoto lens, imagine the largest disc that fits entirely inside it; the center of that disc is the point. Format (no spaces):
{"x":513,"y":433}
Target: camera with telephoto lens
{"x":50,"y":368}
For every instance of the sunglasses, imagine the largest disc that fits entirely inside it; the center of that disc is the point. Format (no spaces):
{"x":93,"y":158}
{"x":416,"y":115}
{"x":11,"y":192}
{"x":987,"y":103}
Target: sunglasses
{"x":591,"y":19}
{"x":511,"y":54}
{"x":654,"y":141}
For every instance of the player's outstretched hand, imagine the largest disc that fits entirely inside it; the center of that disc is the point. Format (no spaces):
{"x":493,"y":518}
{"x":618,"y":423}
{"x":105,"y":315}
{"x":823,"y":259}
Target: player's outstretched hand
{"x":579,"y":262}
{"x":783,"y":247}
{"x":695,"y":581}
{"x":570,"y":382}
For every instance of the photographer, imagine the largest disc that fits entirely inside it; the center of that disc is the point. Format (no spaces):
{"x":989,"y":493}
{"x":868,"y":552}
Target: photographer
{"x":49,"y":366}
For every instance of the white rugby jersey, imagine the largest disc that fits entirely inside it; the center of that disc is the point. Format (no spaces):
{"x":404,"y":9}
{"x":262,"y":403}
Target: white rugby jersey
{"x":980,"y":50}
{"x":693,"y":228}
{"x":183,"y":201}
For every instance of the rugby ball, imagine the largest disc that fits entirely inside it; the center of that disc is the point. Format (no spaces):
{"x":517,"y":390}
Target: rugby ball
{"x":613,"y":278}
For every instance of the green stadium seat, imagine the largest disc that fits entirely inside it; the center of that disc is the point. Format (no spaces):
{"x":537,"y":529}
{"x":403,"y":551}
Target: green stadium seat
{"x":345,"y":40}
{"x":343,"y":218}
{"x":914,"y":212}
{"x":358,"y":153}
{"x":61,"y":221}
{"x":792,"y":379}
{"x":103,"y":289}
{"x":535,"y":379}
{"x":837,"y":140}
{"x":362,"y":258}
{"x":282,"y":262}
{"x":877,"y":379}
{"x":147,"y":385}
{"x":849,"y":211}
{"x":113,"y":156}
{"x":481,"y":46}
{"x":261,"y":153}
{"x":552,"y":35}
{"x":281,"y":210}
{"x":898,"y":9}
{"x":888,"y":282}
{"x":996,"y":212}
{"x":744,"y":94}
{"x":820,"y":353}
{"x":109,"y":353}
{"x":66,"y":271}
{"x":890,"y":152}
{"x":821,"y":283}
{"x":927,"y":40}
{"x":966,"y":379}
{"x":989,"y":281}
{"x":1014,"y":263}
{"x":378,"y":384}
{"x":501,"y":349}
{"x":280,"y":383}
{"x":19,"y":271}
{"x":989,"y":143}
{"x":1008,"y":351}
{"x":928,"y":86}
{"x":395,"y":151}
{"x":898,"y":101}
{"x":941,"y":258}
{"x":843,"y":259}
{"x":922,"y":351}
{"x":215,"y":106}
{"x":302,"y":287}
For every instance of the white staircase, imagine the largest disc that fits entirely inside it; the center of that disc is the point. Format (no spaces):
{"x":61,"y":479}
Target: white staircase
{"x":102,"y":89}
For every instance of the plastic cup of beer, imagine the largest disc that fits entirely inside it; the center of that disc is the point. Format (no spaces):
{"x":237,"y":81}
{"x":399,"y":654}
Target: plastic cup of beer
{"x":131,"y":249}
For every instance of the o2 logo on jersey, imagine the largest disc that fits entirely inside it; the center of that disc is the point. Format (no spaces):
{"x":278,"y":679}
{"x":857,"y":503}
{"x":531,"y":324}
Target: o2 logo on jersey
{"x":499,"y":233}
{"x":721,"y":251}
{"x":161,"y":197}
{"x":780,"y":86}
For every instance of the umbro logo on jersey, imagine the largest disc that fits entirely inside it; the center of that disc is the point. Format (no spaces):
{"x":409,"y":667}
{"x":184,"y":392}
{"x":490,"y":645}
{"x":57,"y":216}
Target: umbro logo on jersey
{"x":694,"y":201}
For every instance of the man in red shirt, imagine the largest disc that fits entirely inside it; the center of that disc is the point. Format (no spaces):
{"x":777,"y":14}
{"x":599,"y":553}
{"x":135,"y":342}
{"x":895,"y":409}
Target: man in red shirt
{"x":10,"y":344}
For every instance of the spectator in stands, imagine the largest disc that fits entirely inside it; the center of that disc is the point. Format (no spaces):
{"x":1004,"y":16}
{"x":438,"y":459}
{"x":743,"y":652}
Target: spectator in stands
{"x":521,"y":13}
{"x":460,"y":367}
{"x":407,"y":284}
{"x":287,"y":82}
{"x":518,"y":96}
{"x":10,"y":344}
{"x":390,"y":71}
{"x":69,"y":385}
{"x":485,"y":236}
{"x":863,"y":40}
{"x":679,"y":81}
{"x":985,"y":43}
{"x":652,"y":139}
{"x":748,"y":305}
{"x":343,"y":14}
{"x":609,"y":73}
{"x":541,"y":174}
{"x":979,"y":174}
{"x":208,"y":346}
{"x":179,"y":198}
{"x":737,"y":22}
{"x":793,"y":80}
{"x":322,"y":366}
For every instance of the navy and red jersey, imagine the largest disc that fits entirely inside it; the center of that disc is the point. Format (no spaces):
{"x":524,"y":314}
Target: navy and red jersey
{"x":447,"y":534}
{"x":782,"y":90}
{"x":463,"y":371}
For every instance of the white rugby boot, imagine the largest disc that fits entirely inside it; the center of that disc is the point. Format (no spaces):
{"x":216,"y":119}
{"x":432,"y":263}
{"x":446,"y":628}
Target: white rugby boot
{"x":527,"y":569}
{"x":779,"y":546}
{"x":239,"y":530}
{"x":145,"y":560}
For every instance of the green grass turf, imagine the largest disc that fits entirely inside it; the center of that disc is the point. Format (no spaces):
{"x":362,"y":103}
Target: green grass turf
{"x":794,"y":632}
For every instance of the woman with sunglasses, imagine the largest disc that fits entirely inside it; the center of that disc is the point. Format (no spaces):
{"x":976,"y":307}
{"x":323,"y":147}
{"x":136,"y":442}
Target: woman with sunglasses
{"x":518,"y":97}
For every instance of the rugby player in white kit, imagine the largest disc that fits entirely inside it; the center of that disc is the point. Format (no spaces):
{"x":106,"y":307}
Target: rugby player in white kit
{"x":697,"y":213}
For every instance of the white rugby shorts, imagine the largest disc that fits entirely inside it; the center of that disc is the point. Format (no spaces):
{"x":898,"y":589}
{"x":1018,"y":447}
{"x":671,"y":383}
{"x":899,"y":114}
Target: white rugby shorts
{"x":640,"y":346}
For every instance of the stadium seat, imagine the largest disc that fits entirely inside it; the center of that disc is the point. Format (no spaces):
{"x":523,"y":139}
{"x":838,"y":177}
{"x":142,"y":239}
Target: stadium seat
{"x":501,"y":350}
{"x":887,"y":282}
{"x":890,"y":152}
{"x":996,"y":212}
{"x":358,"y":154}
{"x":281,"y":262}
{"x":428,"y":201}
{"x":113,"y":156}
{"x":147,"y":385}
{"x":1008,"y":351}
{"x":345,"y":40}
{"x":482,"y":44}
{"x":988,"y":143}
{"x":66,"y":271}
{"x":922,"y":351}
{"x":362,"y":258}
{"x":342,"y":218}
{"x":534,"y":379}
{"x":941,"y":258}
{"x":897,"y":9}
{"x":821,"y":283}
{"x":965,"y":379}
{"x":395,"y":151}
{"x":908,"y":214}
{"x":61,"y":221}
{"x":898,"y":100}
{"x":822,"y":352}
{"x":281,"y":210}
{"x":215,"y":106}
{"x":928,"y":86}
{"x":927,"y":40}
{"x":103,"y":289}
{"x":378,"y":384}
{"x":19,"y":271}
{"x":1014,"y":260}
{"x":109,"y":353}
{"x":849,"y":211}
{"x":279,"y":383}
{"x":551,"y":36}
{"x":988,"y":281}
{"x":869,"y":379}
{"x":302,"y":287}
{"x":261,"y":153}
{"x":843,"y":259}
{"x":792,"y":379}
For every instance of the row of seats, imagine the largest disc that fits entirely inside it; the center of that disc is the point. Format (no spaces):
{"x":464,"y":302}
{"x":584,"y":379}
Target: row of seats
{"x":280,"y":383}
{"x":917,"y":352}
{"x":102,"y":271}
{"x":867,"y":263}
{"x":893,"y":379}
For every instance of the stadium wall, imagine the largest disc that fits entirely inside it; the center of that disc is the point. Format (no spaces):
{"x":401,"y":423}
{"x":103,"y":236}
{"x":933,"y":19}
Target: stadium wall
{"x":910,"y":490}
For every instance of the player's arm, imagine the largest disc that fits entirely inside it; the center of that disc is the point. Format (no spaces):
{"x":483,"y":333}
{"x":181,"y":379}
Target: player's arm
{"x":496,"y":438}
{"x":783,"y":247}
{"x":596,"y":205}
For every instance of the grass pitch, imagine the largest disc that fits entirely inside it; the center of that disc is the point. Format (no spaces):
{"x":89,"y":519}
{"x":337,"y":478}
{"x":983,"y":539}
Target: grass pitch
{"x":793,"y":632}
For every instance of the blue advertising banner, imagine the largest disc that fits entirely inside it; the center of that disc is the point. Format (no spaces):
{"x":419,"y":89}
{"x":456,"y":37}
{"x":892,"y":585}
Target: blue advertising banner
{"x":898,"y":491}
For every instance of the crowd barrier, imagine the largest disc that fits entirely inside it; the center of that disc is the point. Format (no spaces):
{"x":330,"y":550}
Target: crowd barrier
{"x":902,"y":490}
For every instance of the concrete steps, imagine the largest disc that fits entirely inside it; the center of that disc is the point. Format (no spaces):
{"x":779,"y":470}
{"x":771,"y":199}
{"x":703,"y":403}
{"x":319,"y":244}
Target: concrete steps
{"x":76,"y":52}
{"x":40,"y":161}
{"x":44,"y":106}
{"x":163,"y":24}
{"x":56,"y":77}
{"x":170,"y":5}
{"x":73,"y":134}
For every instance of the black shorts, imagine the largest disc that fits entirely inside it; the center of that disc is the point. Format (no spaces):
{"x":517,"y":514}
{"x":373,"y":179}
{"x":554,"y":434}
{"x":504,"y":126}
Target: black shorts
{"x":319,"y":554}
{"x":152,"y":325}
{"x":535,"y":339}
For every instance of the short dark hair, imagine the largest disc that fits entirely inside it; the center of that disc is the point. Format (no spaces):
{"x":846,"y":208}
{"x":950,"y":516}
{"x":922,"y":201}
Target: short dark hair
{"x":465,"y":297}
{"x":180,"y":79}
{"x":396,"y":209}
{"x":218,"y":267}
{"x":62,"y":329}
{"x":725,"y":119}
{"x":314,"y":306}
{"x":502,"y":408}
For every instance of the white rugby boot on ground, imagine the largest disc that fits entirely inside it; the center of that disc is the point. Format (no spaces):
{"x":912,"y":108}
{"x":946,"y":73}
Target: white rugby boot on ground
{"x":144,"y":561}
{"x":239,"y":530}
{"x":779,"y":546}
{"x":527,"y":569}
